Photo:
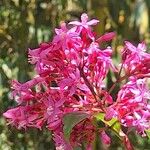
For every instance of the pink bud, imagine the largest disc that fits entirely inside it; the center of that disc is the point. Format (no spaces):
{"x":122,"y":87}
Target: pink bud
{"x":105,"y":138}
{"x":106,"y":37}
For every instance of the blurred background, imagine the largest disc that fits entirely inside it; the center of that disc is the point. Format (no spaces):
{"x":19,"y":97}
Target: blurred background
{"x":26,"y":23}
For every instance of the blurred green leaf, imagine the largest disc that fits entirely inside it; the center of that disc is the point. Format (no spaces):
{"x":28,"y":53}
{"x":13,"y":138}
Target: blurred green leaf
{"x":148,"y":133}
{"x":72,"y":119}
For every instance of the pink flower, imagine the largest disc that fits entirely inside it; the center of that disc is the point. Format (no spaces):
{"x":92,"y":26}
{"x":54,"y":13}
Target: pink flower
{"x":84,"y":21}
{"x":53,"y":113}
{"x":110,"y":113}
{"x":104,"y":62}
{"x":60,"y":142}
{"x":73,"y":83}
{"x":71,"y":77}
{"x":66,"y":38}
{"x":34,"y":55}
{"x":132,"y":105}
{"x":136,"y":60}
{"x":97,"y":63}
{"x":21,"y":117}
{"x":84,"y":25}
{"x":22,"y":92}
{"x":83,"y":132}
{"x":142,"y":121}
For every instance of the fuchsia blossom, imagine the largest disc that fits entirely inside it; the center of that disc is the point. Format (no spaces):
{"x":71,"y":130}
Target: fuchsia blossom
{"x":71,"y":72}
{"x":84,"y":25}
{"x":84,"y":131}
{"x":21,"y":117}
{"x":23,"y":92}
{"x":59,"y":139}
{"x":65,"y":38}
{"x":132,"y":105}
{"x":136,"y":60}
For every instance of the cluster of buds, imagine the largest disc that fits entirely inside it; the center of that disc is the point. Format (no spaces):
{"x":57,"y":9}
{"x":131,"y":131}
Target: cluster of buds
{"x":70,"y":87}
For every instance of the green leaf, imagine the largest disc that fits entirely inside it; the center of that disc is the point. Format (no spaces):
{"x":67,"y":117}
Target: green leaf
{"x":113,"y":123}
{"x":72,"y":119}
{"x":116,"y":126}
{"x":148,"y":133}
{"x":101,"y":116}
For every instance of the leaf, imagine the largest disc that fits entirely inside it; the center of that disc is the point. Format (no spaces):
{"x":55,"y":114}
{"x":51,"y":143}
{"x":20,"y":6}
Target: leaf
{"x":72,"y":119}
{"x":148,"y":133}
{"x":113,"y":123}
{"x":101,"y":116}
{"x":116,"y":126}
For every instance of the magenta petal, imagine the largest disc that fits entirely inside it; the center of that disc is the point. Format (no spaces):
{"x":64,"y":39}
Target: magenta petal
{"x":90,"y":34}
{"x":142,"y":46}
{"x":92,"y":22}
{"x":33,"y":117}
{"x":57,"y":31}
{"x":84,"y":18}
{"x":65,"y":82}
{"x":109,"y":99}
{"x":83,"y":87}
{"x":72,"y":90}
{"x":54,"y":125}
{"x":60,"y":102}
{"x":77,"y":23}
{"x":105,"y":138}
{"x":130,"y":46}
{"x":110,"y":113}
{"x":8,"y":114}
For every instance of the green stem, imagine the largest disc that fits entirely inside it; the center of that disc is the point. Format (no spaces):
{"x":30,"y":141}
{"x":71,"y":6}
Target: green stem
{"x":118,"y":81}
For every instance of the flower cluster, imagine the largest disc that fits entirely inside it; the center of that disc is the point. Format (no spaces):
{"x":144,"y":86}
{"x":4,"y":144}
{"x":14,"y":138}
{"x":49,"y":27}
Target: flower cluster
{"x":71,"y":72}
